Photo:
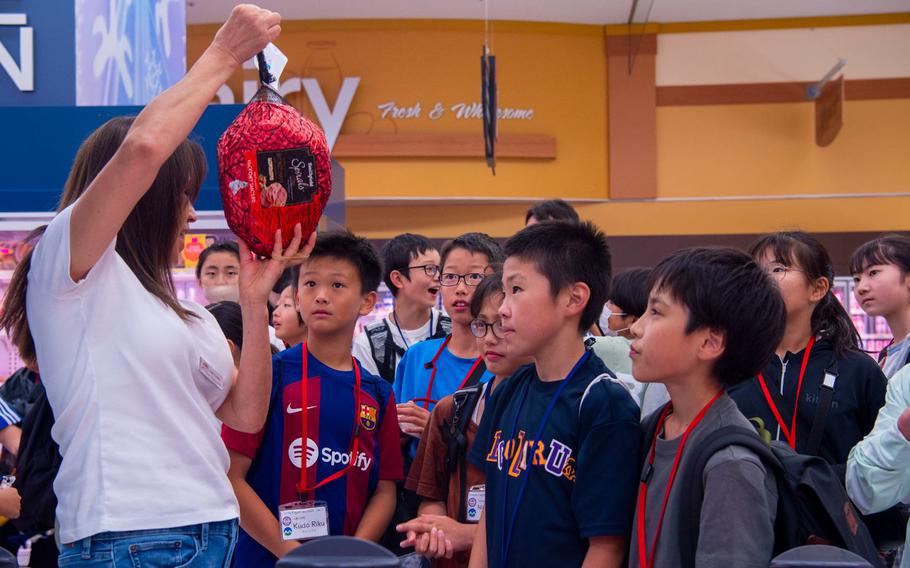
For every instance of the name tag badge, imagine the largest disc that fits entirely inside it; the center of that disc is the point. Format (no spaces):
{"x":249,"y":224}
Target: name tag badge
{"x":476,"y":499}
{"x":302,"y":520}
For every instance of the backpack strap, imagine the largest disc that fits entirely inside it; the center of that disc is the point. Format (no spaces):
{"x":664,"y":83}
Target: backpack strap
{"x":383,"y":349}
{"x":608,"y":376}
{"x":694,"y":487}
{"x":464,"y":401}
{"x":825,"y":400}
{"x":475,"y":376}
{"x":443,"y":327}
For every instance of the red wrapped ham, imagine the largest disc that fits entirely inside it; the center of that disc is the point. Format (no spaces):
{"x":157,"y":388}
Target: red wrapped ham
{"x":274,"y":170}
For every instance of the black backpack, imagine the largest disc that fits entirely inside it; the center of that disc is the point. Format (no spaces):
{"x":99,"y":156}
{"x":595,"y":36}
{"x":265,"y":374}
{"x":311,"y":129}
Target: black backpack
{"x":21,"y":390}
{"x":464,"y":401}
{"x":39,"y":460}
{"x":386,"y":352}
{"x":812,"y":504}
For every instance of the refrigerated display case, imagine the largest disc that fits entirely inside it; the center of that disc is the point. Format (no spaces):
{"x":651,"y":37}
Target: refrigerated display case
{"x":874,"y":331}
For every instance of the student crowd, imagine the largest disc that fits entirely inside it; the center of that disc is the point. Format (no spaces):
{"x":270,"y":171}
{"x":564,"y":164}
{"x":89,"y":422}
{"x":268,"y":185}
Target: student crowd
{"x":551,"y":414}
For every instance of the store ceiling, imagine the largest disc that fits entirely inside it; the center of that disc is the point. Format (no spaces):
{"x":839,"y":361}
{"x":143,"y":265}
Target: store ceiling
{"x":567,"y":11}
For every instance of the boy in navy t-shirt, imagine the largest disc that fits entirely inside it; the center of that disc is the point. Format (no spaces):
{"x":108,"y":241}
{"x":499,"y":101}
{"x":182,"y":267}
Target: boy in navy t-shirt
{"x":559,"y":441}
{"x":351,"y":447}
{"x":436,"y":368}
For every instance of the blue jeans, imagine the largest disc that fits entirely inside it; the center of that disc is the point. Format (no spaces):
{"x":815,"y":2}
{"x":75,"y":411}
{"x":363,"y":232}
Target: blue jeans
{"x":209,"y":545}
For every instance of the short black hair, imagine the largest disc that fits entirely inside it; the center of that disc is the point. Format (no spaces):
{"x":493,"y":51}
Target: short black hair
{"x":567,"y":252}
{"x":630,"y":291}
{"x":726,"y":290}
{"x":887,"y":249}
{"x":552,"y":210}
{"x":491,"y":285}
{"x":397,"y":254}
{"x":478,"y":243}
{"x":230,"y":320}
{"x":344,"y":245}
{"x":287,"y":278}
{"x":223,"y":246}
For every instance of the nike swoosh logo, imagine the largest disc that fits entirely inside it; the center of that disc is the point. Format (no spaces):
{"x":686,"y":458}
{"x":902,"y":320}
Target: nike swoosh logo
{"x":292,"y":410}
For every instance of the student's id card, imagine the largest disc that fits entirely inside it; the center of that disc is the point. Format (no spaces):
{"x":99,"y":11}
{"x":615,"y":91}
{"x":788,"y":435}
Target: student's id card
{"x":303,"y":520}
{"x":476,"y":499}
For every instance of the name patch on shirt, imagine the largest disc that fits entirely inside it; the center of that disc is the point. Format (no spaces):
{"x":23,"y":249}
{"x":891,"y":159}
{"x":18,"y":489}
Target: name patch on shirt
{"x":211,"y":374}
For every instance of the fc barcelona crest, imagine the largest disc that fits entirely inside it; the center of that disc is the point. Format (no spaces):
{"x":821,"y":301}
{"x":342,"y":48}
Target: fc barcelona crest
{"x":368,"y":416}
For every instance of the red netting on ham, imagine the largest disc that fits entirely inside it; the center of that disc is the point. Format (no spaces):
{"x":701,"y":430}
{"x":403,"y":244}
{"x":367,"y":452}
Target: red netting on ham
{"x":274,"y":171}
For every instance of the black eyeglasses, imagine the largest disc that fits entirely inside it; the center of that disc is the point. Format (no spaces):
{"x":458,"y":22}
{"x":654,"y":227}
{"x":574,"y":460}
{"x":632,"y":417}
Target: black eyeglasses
{"x":428,"y":269}
{"x":470,"y":279}
{"x":479,"y":329}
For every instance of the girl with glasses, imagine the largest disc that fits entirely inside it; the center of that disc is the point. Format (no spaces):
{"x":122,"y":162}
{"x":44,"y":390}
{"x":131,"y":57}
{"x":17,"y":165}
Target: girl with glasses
{"x":819,"y":370}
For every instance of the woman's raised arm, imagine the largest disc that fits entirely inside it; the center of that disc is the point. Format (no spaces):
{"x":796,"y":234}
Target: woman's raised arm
{"x":164,"y":123}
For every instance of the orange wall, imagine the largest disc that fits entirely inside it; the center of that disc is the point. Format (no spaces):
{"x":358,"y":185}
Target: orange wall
{"x":732,"y":151}
{"x":558,"y":70}
{"x":769,"y":149}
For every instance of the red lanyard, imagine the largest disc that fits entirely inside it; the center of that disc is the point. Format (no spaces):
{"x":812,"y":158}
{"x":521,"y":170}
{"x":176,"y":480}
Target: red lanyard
{"x":643,"y":560}
{"x":302,"y":487}
{"x":883,"y":355}
{"x":426,"y":400}
{"x":790,"y":433}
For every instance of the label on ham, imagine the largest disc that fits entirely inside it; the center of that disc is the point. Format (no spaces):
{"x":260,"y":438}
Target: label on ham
{"x":274,"y":170}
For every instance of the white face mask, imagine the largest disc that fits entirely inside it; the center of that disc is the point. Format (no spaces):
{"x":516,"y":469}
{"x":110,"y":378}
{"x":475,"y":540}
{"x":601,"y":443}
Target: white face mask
{"x":222,"y":293}
{"x":604,"y":322}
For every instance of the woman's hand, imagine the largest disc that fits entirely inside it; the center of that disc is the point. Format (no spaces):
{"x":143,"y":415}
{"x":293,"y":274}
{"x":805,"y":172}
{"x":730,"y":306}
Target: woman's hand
{"x":258,"y":276}
{"x":246,"y":32}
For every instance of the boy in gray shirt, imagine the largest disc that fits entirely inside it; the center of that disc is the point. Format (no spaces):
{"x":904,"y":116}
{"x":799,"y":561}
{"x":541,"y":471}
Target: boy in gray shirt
{"x":713,"y":319}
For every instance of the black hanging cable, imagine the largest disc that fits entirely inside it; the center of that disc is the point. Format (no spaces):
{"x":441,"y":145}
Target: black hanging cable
{"x":488,"y":95}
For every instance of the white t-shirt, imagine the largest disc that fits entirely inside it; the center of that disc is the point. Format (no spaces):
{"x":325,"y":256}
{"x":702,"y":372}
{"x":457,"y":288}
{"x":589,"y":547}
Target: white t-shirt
{"x":134,"y":390}
{"x":404,"y":339}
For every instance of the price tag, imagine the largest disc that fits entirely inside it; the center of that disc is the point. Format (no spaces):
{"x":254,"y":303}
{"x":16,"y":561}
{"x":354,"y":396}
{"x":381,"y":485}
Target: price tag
{"x":275,"y":59}
{"x":304,"y":520}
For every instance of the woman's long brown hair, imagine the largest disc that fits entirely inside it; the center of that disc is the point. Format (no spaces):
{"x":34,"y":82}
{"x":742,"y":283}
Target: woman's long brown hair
{"x":146,"y":239}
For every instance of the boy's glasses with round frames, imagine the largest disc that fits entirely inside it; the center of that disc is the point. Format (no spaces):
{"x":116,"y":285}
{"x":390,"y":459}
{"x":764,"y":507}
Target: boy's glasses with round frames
{"x":470,"y":279}
{"x":479,"y":329}
{"x":431,"y":270}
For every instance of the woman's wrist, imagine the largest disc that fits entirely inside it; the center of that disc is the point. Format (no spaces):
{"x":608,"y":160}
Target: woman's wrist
{"x":216,"y":62}
{"x":222,"y":56}
{"x":252,"y":303}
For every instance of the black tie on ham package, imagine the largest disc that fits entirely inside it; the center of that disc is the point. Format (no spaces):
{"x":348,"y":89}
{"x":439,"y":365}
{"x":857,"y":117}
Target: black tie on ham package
{"x":274,"y":170}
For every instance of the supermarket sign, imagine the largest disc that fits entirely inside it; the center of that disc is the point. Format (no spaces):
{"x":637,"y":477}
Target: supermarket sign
{"x":36,"y":51}
{"x":35,"y":184}
{"x":116,"y":52}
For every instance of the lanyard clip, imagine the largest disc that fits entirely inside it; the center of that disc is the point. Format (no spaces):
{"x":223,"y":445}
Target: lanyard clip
{"x":646,"y":474}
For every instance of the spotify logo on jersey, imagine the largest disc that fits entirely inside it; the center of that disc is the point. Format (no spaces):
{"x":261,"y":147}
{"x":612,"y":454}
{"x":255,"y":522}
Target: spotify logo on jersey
{"x":327,"y":455}
{"x":295,"y":452}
